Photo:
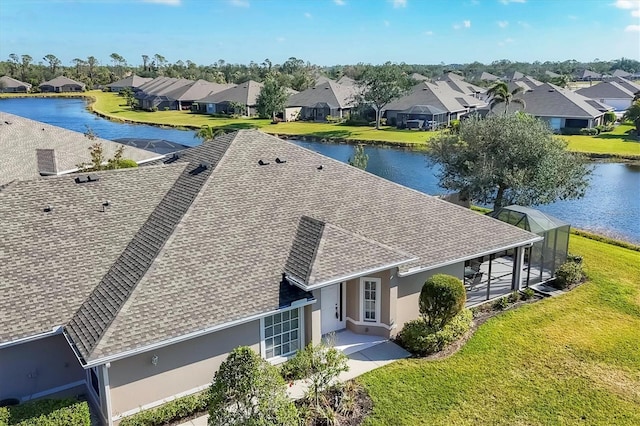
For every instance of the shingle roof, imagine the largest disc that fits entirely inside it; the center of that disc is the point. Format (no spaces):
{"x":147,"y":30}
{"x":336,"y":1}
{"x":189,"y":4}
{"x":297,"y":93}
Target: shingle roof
{"x":61,"y":81}
{"x":439,"y":96}
{"x":245,"y":93}
{"x":551,"y":74}
{"x":515,"y":75}
{"x":621,"y":73}
{"x":195,"y":90}
{"x":334,"y":94}
{"x":627,"y":84}
{"x":486,"y":76}
{"x":133,"y":81}
{"x":20,"y":140}
{"x":461,"y":86}
{"x":549,"y":100}
{"x":224,"y":260}
{"x":10,"y":82}
{"x":587,"y":74}
{"x":347,"y":81}
{"x":606,"y":89}
{"x":418,"y":77}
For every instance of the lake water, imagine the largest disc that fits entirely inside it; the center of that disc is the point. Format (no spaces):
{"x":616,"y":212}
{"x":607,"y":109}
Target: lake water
{"x":611,"y":205}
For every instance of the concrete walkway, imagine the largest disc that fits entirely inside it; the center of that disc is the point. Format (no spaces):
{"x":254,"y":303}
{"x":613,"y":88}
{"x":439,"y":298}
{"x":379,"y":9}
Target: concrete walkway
{"x":359,"y":363}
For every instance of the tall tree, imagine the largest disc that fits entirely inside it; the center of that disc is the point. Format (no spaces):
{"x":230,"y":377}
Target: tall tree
{"x":381,"y":84}
{"x":14,"y":64}
{"x":92,"y":63}
{"x":272,"y":99}
{"x":207,"y":133}
{"x":78,"y":63}
{"x":53,"y":62}
{"x":247,"y":390}
{"x":25,"y":65}
{"x":159,"y":61}
{"x":633,"y":114}
{"x":145,"y":62}
{"x":508,"y":159}
{"x":561,"y":81}
{"x":500,"y":94}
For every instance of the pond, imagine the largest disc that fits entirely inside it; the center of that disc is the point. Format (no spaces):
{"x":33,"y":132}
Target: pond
{"x":610,"y":207}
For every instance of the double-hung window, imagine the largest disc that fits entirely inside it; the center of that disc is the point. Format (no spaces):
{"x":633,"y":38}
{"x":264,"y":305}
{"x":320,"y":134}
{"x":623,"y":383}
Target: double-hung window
{"x":370,"y":293}
{"x":282,"y":333}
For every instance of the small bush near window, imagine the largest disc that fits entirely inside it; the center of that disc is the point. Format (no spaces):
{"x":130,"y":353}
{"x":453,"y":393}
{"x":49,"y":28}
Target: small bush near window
{"x":568,"y":274}
{"x":527,"y":294}
{"x":609,"y":117}
{"x":589,"y":131}
{"x":455,"y":126}
{"x":442,"y":298}
{"x":297,"y":367}
{"x":420,"y":339}
{"x":47,"y":412}
{"x":171,"y":411}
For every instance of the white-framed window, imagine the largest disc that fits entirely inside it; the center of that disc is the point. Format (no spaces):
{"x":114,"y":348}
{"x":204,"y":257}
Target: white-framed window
{"x":281,"y":334}
{"x":370,"y":299}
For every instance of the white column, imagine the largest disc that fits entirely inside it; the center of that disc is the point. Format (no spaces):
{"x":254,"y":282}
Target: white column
{"x":519,"y":262}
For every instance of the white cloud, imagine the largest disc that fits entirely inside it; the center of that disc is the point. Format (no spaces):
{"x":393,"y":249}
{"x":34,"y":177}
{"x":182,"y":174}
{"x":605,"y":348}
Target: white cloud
{"x":524,"y":24}
{"x":467,"y":24}
{"x":339,"y":2}
{"x":636,"y":13}
{"x":512,"y":1}
{"x":399,"y":3}
{"x":503,"y":24}
{"x":165,"y":2}
{"x":633,"y":5}
{"x":386,"y":23}
{"x":428,"y":33}
{"x":632,"y":28}
{"x":307,"y":15}
{"x":239,"y":3}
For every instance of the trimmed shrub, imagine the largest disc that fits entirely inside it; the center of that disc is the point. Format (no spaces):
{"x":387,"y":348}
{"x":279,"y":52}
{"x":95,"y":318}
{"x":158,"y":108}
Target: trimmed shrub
{"x":455,"y":126}
{"x":609,"y":117}
{"x":501,"y":304}
{"x":568,"y":274}
{"x":527,"y":294}
{"x":4,"y":416}
{"x":420,"y":339}
{"x":570,"y":131}
{"x":442,"y":297}
{"x":171,"y":411}
{"x":49,"y":412}
{"x":356,"y":120}
{"x":513,"y":297}
{"x":298,"y":367}
{"x":589,"y":131}
{"x":126,"y":163}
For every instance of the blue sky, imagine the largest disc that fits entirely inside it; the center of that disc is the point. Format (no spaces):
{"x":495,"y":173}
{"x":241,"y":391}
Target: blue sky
{"x":324,"y":32}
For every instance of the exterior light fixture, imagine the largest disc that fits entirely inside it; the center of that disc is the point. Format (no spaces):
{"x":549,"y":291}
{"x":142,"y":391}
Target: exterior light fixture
{"x":154,"y":360}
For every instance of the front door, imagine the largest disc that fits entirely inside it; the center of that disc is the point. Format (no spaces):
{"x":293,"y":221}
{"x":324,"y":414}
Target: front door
{"x":332,"y":308}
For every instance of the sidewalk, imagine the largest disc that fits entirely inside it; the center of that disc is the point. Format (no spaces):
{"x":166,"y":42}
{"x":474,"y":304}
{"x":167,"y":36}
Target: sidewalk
{"x":359,"y":363}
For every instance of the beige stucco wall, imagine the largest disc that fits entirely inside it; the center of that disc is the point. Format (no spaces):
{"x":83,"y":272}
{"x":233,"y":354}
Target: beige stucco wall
{"x":409,"y":288}
{"x":135,"y":381}
{"x":387,"y":311}
{"x":29,"y":368}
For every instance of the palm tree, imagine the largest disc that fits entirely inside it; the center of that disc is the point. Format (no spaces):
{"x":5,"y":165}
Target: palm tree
{"x":500,"y":94}
{"x":208,"y":133}
{"x":633,"y":114}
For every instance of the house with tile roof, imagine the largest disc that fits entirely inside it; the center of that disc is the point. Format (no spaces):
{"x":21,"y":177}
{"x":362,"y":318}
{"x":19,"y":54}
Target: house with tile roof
{"x":132,"y":82}
{"x":11,"y":85}
{"x":438,"y":98}
{"x":134,"y":285}
{"x":561,"y":108}
{"x":610,"y":93}
{"x":318,"y":102}
{"x":245,"y":94}
{"x":31,"y":149}
{"x":62,"y":84}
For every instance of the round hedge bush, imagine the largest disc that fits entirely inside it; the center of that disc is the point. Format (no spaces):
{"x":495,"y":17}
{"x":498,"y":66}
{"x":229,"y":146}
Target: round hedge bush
{"x":442,"y":298}
{"x":420,"y":339}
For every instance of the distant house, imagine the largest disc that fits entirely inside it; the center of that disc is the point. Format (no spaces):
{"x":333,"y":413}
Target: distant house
{"x":456,"y":83}
{"x":561,"y":108}
{"x":437,"y":103}
{"x":11,"y":85}
{"x":62,"y":84}
{"x":526,"y":83}
{"x":347,"y":81}
{"x":173,"y":93}
{"x":484,"y":76}
{"x":418,"y":77}
{"x":318,"y":102}
{"x":609,"y":93}
{"x":552,"y":74}
{"x":587,"y":75}
{"x":512,"y":76}
{"x":621,"y":73}
{"x":132,"y":82}
{"x":139,"y":302}
{"x":31,"y":149}
{"x":244,"y":94}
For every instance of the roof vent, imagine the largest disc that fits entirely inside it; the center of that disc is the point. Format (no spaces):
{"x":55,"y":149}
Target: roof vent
{"x":82,"y":179}
{"x":263,"y":163}
{"x":205,"y":165}
{"x":93,"y":178}
{"x":105,"y":205}
{"x":279,"y":161}
{"x":320,"y":167}
{"x":177,"y":155}
{"x":48,"y":209}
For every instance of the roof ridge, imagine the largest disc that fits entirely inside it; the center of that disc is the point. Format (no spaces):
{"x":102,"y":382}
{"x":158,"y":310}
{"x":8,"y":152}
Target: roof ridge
{"x":90,"y":323}
{"x":304,"y":248}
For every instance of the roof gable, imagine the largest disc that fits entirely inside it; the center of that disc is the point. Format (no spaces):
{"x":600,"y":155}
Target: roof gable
{"x":330,"y":92}
{"x":10,"y":82}
{"x":61,"y":81}
{"x":245,"y":93}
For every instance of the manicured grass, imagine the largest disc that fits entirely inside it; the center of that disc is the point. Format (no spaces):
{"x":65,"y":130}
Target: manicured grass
{"x":617,"y":142}
{"x":566,"y":360}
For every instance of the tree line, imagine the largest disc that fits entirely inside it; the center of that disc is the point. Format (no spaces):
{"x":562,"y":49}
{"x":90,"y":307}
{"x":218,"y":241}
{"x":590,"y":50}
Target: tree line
{"x":294,"y":73}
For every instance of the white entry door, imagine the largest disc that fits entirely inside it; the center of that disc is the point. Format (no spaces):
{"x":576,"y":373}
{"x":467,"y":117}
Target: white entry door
{"x":332,"y":308}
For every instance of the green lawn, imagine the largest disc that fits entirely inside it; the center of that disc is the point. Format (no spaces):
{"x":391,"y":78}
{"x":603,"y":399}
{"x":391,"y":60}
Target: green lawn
{"x":567,"y":360}
{"x":618,"y":142}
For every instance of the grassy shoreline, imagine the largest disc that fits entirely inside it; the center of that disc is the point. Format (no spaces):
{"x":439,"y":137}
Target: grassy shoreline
{"x":614,"y":146}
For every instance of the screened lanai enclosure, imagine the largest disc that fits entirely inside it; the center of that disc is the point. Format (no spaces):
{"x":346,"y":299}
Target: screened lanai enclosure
{"x":498,"y":274}
{"x":544,"y":257}
{"x":425,"y":117}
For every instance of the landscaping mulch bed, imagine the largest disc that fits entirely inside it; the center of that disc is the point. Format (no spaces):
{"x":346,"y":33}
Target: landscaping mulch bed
{"x":361,"y":407}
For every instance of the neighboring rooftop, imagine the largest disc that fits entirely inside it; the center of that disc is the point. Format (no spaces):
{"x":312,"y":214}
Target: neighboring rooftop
{"x":7,"y":82}
{"x":440,"y":96}
{"x":62,"y":81}
{"x":244,"y":93}
{"x":30,"y":148}
{"x":133,"y":81}
{"x":606,"y":90}
{"x":204,"y":238}
{"x":331,"y":93}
